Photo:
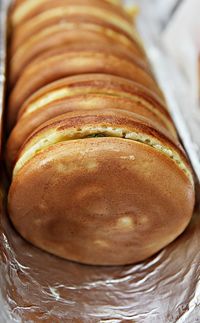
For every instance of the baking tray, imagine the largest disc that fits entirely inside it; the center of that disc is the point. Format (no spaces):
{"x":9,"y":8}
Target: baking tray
{"x":38,"y":287}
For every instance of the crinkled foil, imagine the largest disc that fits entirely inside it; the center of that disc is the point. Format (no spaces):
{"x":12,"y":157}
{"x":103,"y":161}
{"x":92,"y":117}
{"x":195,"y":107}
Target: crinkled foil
{"x":38,"y":287}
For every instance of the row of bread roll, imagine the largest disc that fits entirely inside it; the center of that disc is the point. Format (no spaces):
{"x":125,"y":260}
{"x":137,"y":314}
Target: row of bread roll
{"x":98,"y":173}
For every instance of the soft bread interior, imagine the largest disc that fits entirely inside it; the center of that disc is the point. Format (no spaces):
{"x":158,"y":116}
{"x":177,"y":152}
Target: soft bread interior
{"x":69,"y":92}
{"x":52,"y":137}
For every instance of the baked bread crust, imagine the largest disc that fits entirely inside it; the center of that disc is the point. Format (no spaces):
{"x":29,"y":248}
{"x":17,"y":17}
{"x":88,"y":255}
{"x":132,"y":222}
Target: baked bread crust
{"x":80,"y":214}
{"x":84,"y":92}
{"x":38,"y":74}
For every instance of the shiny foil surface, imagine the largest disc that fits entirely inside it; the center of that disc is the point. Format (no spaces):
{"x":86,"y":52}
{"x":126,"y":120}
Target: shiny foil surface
{"x":38,"y":287}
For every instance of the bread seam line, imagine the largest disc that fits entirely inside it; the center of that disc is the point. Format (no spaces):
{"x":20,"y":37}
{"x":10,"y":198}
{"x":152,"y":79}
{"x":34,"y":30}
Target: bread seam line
{"x":66,"y":92}
{"x":108,"y":132}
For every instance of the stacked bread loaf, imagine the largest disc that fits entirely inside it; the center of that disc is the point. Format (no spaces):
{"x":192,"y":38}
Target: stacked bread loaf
{"x":98,"y":173}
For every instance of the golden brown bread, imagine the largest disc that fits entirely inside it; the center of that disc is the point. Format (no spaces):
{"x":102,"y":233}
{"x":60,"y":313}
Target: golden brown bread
{"x":23,"y":10}
{"x":84,"y":92}
{"x":120,"y":221}
{"x":22,"y":35}
{"x":75,"y":122}
{"x":77,"y":213}
{"x":103,"y":46}
{"x":37,"y":74}
{"x":77,"y":12}
{"x":67,"y":33}
{"x":99,"y":174}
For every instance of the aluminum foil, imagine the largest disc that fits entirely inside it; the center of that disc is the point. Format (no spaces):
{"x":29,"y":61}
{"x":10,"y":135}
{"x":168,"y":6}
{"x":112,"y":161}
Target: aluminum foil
{"x":38,"y":287}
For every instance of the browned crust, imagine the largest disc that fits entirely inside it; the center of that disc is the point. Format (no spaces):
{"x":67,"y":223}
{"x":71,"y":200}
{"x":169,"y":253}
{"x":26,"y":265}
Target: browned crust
{"x":116,"y":49}
{"x":27,"y":124}
{"x":115,"y":118}
{"x":63,"y":35}
{"x":100,"y":81}
{"x":38,"y":75}
{"x":110,"y":201}
{"x":105,"y":4}
{"x":20,"y":36}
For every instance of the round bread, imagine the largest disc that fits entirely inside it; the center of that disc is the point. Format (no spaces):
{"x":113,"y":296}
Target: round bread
{"x":38,"y":73}
{"x":67,"y":33}
{"x":107,"y":200}
{"x":80,"y":93}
